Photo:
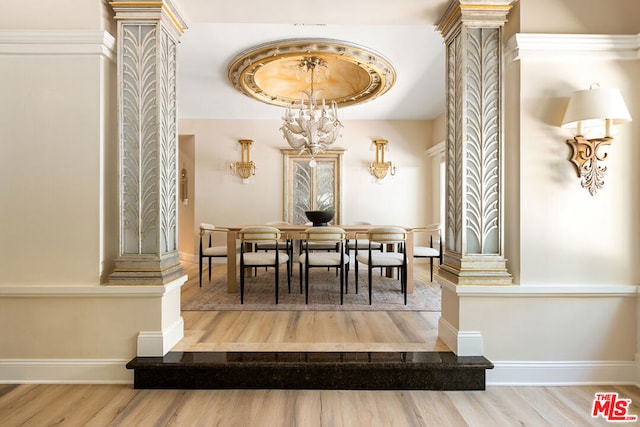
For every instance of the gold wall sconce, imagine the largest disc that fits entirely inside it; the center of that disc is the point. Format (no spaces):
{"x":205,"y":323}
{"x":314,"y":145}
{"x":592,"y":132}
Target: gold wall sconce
{"x":379,"y":168}
{"x":184,"y":187}
{"x":593,"y":108}
{"x":245,"y":168}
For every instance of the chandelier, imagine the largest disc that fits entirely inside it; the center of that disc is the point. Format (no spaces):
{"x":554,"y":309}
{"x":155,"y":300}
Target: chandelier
{"x":314,"y":127}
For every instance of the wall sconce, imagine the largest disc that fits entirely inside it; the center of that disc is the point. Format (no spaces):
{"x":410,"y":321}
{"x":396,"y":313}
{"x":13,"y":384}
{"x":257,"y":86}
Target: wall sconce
{"x":244,"y":168}
{"x":379,"y":168}
{"x":589,"y":108}
{"x":184,"y":187}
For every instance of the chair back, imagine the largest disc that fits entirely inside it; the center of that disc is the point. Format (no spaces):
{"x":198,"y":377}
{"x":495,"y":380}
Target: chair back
{"x":324,"y":234}
{"x":206,"y":229}
{"x":209,"y":233}
{"x":257,"y":234}
{"x":387,"y":235}
{"x":431,"y":233}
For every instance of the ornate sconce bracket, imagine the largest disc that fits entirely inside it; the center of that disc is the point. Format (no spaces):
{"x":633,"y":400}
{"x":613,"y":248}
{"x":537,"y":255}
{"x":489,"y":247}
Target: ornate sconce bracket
{"x":585,"y":156}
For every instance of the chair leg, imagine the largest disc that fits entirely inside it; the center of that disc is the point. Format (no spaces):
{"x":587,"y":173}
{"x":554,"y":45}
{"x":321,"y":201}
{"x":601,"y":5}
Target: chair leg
{"x":209,"y":268}
{"x":370,"y":280}
{"x":300,"y":264}
{"x":289,"y":276}
{"x":403,"y":274}
{"x":346,"y":280}
{"x":356,"y":276}
{"x":431,"y":259}
{"x":241,"y":284}
{"x":200,"y":271}
{"x":306,"y":284}
{"x":341,"y":281}
{"x":277,"y":280}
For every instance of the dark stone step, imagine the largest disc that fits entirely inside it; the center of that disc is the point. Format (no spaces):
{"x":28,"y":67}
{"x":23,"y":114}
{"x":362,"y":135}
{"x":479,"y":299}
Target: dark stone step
{"x":311,"y":370}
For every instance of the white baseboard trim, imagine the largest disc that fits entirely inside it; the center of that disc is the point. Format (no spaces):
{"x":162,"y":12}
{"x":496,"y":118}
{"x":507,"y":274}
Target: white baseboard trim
{"x":563,"y":373}
{"x":65,"y":371}
{"x":158,"y":343}
{"x":462,"y":343}
{"x":187,"y":257}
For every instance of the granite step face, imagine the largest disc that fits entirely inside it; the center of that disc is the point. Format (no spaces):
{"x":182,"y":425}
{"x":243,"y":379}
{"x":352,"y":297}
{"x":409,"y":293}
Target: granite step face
{"x":311,"y":371}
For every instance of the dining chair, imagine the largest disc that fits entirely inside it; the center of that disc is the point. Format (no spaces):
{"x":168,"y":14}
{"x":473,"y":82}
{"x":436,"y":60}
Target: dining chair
{"x":309,"y":258}
{"x":351,"y":243}
{"x":271,"y":246}
{"x":211,"y":250}
{"x":394,"y":236}
{"x":434,"y":249}
{"x":250,"y":236}
{"x":363,"y":243}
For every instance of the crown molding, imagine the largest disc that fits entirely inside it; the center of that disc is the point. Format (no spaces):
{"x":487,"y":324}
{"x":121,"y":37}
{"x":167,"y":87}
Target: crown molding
{"x":57,"y":42}
{"x":550,"y":47}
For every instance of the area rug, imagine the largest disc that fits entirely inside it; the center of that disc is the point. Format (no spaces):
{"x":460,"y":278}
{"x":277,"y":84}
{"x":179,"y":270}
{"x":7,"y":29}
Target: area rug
{"x":324,"y":293}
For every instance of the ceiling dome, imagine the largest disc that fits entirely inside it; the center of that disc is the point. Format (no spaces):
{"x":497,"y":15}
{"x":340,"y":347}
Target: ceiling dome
{"x":271,"y":72}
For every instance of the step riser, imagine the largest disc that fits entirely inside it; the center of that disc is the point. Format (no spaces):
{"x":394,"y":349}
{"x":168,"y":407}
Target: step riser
{"x":310,"y":378}
{"x":311,"y":371}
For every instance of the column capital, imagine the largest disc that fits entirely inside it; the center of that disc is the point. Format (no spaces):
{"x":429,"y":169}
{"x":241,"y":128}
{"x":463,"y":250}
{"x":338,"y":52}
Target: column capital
{"x":153,"y":10}
{"x":473,"y":13}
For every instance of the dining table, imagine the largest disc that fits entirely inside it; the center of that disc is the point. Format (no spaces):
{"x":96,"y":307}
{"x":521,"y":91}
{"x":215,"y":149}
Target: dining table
{"x":292,"y":231}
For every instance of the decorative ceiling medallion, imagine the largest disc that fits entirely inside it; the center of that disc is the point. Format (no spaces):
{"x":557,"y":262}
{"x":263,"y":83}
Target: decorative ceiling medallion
{"x":270,"y":72}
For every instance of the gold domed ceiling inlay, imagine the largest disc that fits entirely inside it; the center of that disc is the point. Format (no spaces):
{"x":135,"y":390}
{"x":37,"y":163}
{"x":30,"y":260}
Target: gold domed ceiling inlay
{"x":270,"y":73}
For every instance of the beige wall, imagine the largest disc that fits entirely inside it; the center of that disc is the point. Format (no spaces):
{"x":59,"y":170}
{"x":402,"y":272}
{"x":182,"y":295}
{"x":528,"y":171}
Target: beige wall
{"x":573,"y":314}
{"x":54,"y":211}
{"x":579,"y":16}
{"x":186,"y":210}
{"x":59,"y":204}
{"x":221,"y":199}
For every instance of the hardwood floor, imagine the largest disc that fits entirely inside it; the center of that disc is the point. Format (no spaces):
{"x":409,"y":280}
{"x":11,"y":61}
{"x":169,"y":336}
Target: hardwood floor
{"x":120,"y":405}
{"x":306,"y":330}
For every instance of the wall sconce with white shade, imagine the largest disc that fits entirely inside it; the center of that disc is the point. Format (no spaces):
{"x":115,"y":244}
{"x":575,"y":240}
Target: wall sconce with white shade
{"x":245,"y":168}
{"x":379,"y":167}
{"x":592,"y":108}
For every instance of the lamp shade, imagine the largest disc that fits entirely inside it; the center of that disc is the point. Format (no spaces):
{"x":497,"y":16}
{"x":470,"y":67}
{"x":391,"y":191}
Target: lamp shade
{"x":593,"y":106}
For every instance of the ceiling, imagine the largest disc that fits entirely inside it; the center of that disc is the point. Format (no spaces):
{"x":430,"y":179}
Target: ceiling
{"x":403,"y":32}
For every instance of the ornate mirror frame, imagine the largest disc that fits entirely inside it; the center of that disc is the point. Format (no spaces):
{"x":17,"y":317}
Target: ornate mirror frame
{"x":300,"y":178}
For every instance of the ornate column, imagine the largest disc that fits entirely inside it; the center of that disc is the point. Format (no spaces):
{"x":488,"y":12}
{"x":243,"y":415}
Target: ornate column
{"x":148,"y":33}
{"x":474,"y":201}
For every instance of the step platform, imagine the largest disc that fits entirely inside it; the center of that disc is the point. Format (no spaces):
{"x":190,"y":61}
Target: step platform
{"x":311,"y":371}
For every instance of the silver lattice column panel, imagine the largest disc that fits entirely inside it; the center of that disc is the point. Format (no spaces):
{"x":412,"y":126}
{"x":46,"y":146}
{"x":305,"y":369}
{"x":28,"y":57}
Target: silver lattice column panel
{"x":474,"y":209}
{"x":148,"y":34}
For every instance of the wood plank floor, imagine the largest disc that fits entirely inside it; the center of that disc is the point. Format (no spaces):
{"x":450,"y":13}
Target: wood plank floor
{"x":121,"y":405}
{"x":306,"y":330}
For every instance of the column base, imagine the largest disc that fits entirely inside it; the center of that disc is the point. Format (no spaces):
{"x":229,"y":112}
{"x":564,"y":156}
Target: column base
{"x":478,"y":270}
{"x":146,"y":270}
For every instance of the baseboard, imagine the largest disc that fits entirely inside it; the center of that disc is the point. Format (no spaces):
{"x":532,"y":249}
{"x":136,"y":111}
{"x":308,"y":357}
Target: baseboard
{"x":187,"y":257}
{"x":158,"y":343}
{"x":65,"y":371}
{"x":462,"y":343}
{"x":561,"y":373}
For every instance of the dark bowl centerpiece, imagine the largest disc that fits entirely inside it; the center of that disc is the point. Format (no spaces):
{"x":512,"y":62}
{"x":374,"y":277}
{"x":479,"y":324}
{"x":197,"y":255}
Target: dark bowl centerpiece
{"x":320,"y":218}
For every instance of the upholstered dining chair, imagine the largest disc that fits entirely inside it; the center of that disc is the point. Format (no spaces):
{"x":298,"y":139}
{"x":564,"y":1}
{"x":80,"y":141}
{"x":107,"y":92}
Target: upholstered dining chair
{"x":208,"y":247}
{"x":256,"y":235}
{"x":271,"y":246}
{"x":434,"y":249}
{"x":394,"y":236}
{"x":309,"y":258}
{"x":363,"y":243}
